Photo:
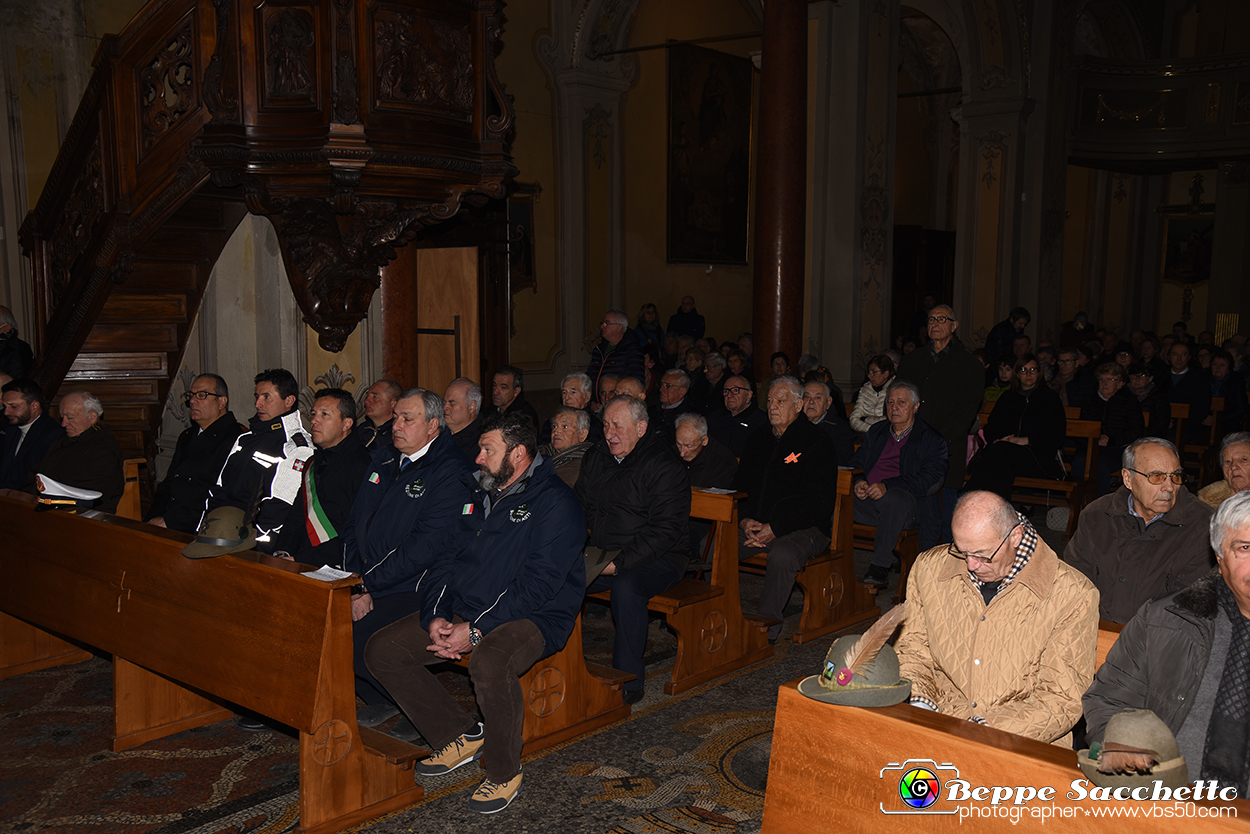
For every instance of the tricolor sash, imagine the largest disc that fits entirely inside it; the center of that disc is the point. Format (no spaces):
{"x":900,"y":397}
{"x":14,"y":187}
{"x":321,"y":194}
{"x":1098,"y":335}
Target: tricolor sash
{"x":320,"y":530}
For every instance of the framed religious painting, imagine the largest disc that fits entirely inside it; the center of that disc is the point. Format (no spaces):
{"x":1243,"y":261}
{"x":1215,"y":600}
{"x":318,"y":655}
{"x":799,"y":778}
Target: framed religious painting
{"x":709,"y":155}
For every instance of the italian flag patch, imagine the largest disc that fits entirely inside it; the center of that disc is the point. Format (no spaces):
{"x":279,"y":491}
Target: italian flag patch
{"x":374,"y":479}
{"x":468,"y":510}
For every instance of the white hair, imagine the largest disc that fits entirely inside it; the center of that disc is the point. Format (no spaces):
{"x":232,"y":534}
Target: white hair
{"x":791,"y":382}
{"x":90,"y":402}
{"x":1233,"y":514}
{"x":697,"y":421}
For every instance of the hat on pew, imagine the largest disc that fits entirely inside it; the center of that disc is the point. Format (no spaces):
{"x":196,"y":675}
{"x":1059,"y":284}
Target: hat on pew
{"x":862,"y":670}
{"x":1137,"y":750}
{"x":225,"y":530}
{"x":54,"y":495}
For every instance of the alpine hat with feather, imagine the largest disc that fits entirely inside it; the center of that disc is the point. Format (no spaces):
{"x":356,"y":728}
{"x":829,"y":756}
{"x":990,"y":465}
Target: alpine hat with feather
{"x":1137,"y":749}
{"x":862,"y":670}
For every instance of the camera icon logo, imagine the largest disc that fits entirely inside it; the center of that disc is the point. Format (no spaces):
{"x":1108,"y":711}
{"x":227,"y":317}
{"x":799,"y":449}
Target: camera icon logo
{"x":919,"y":785}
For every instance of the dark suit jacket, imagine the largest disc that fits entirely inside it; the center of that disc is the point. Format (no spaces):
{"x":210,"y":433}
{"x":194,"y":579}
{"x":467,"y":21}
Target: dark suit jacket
{"x":181,"y":497}
{"x":92,"y":460}
{"x":16,"y":464}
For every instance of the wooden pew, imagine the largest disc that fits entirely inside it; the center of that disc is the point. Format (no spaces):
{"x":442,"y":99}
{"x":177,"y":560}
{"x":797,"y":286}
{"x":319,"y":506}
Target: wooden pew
{"x":189,"y":634}
{"x":714,"y":637}
{"x":838,"y":768}
{"x":908,"y":548}
{"x":833,"y":597}
{"x":1080,"y":488}
{"x":566,"y":696}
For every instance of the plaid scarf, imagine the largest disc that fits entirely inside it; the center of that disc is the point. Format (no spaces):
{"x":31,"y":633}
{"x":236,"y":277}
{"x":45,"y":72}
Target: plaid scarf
{"x":1225,"y":757}
{"x":1023,"y":553}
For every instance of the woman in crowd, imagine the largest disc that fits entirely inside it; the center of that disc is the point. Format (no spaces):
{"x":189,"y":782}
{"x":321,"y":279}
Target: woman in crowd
{"x":1002,"y":381}
{"x":1153,"y":399}
{"x":649,"y":330}
{"x":1149,"y":354}
{"x":780,"y":364}
{"x":1120,"y":414}
{"x":870,"y":404}
{"x":1024,"y":435}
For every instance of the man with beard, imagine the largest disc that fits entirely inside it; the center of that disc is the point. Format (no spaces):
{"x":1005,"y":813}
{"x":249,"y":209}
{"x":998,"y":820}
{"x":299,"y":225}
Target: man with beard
{"x":396,"y":531}
{"x":31,"y":432}
{"x":374,"y":431}
{"x":266,"y":462}
{"x":506,"y":593}
{"x":202,"y":449}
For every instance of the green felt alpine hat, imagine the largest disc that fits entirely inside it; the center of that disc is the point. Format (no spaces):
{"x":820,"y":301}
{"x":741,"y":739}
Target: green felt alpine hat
{"x":222,"y":532}
{"x":878,"y":685}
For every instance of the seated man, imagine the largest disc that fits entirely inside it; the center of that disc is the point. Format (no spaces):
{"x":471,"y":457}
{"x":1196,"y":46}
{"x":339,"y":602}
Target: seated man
{"x":1029,"y":621}
{"x":1235,"y":461}
{"x":1184,"y":656}
{"x":570,"y":440}
{"x":1072,"y":383}
{"x":263,"y":470}
{"x":1147,"y":538}
{"x":607,"y":391}
{"x":630,"y":387}
{"x":636,"y":496}
{"x":462,"y":411}
{"x":417,"y":487}
{"x":507,"y":394}
{"x":818,"y":405}
{"x":1189,"y":387}
{"x":31,"y":432}
{"x":733,"y":421}
{"x":904,"y":466}
{"x":789,"y":471}
{"x":86,"y":456}
{"x":576,"y":391}
{"x":374,"y":431}
{"x":674,"y":402}
{"x":710,"y":464}
{"x":332,"y":477}
{"x":199,"y":455}
{"x":716,"y":374}
{"x":1119,"y":413}
{"x":506,"y":591}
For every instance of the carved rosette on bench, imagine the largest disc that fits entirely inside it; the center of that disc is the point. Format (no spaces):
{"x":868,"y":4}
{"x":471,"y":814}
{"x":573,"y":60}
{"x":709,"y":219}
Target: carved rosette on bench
{"x":351,"y":124}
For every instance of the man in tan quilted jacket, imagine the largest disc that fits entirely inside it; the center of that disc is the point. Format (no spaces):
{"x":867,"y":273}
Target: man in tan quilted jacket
{"x":1000,"y":631}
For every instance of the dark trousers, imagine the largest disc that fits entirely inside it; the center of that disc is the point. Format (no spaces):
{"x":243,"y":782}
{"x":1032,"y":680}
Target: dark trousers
{"x":786,"y":557}
{"x":398,"y":658}
{"x":1000,"y":463}
{"x":890,"y":514}
{"x":386,"y":610}
{"x":631,"y":590}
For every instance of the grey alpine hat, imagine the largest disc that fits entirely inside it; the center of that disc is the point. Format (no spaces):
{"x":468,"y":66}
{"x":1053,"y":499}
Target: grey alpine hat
{"x":1143,"y":735}
{"x":878,"y":685}
{"x":222,"y":532}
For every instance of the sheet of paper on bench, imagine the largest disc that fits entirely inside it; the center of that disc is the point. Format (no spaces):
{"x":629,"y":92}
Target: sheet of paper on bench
{"x":714,"y":490}
{"x":328,"y":574}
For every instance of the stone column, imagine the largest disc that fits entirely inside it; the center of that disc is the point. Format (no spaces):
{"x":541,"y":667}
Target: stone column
{"x":780,"y":184}
{"x":1230,"y":256}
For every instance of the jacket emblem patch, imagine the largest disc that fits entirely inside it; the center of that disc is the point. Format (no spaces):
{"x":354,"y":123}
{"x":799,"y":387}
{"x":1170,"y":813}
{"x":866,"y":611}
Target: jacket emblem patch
{"x":520,"y":513}
{"x":300,"y":465}
{"x":415,"y":489}
{"x":374,"y":479}
{"x":793,"y":457}
{"x":467,"y":509}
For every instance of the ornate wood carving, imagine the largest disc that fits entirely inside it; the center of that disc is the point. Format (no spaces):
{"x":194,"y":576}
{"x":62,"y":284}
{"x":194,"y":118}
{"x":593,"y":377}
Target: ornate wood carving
{"x":289,"y":54}
{"x":346,"y":96}
{"x":166,"y":87}
{"x":423,"y":61}
{"x":223,"y":107}
{"x":77,"y":224}
{"x":334,"y":261}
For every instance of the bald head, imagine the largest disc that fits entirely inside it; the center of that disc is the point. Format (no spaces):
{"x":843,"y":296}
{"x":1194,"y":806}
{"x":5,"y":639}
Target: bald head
{"x":630,"y":387}
{"x":986,"y":530}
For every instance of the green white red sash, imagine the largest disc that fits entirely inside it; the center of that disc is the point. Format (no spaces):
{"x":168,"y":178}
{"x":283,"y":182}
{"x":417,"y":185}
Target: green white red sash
{"x":320,"y":530}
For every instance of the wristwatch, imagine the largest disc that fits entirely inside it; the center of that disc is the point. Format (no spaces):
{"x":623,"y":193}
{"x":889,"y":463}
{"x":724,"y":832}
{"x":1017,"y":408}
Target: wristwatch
{"x":475,"y":636}
{"x":359,"y":589}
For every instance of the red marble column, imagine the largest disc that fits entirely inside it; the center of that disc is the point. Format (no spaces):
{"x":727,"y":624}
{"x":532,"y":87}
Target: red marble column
{"x":781,"y":185}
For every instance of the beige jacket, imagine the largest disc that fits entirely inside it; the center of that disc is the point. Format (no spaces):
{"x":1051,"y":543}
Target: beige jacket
{"x":1022,"y":663}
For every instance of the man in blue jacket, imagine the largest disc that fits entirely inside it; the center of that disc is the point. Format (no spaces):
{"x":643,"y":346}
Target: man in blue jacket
{"x":506,"y":592}
{"x":904,"y":465}
{"x":409,"y":499}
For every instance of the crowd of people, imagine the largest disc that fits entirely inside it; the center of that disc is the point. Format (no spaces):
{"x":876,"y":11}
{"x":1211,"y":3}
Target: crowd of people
{"x":478,"y":528}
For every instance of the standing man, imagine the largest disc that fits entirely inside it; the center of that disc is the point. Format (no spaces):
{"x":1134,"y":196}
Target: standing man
{"x":951,"y":383}
{"x":618,"y":351}
{"x":686,"y":321}
{"x":734,"y":422}
{"x":999,"y":631}
{"x":507,"y":394}
{"x":462,"y":410}
{"x":16,"y":357}
{"x":506,"y":592}
{"x":904,"y":464}
{"x":199,"y":455}
{"x":818,"y":406}
{"x":789,"y":471}
{"x":266,"y":462}
{"x":332,"y":477}
{"x":374,"y":431}
{"x":636,"y":495}
{"x":1000,"y":343}
{"x":31,"y":432}
{"x":1147,"y":538}
{"x":396,"y":531}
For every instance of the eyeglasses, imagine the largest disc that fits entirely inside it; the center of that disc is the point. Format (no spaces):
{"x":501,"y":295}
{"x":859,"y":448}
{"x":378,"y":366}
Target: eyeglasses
{"x":1109,"y":379}
{"x":939,"y":319}
{"x":735,"y":390}
{"x":875,"y":371}
{"x":200,"y":395}
{"x":1029,"y":371}
{"x":1067,"y":361}
{"x":670,"y":385}
{"x":985,"y":560}
{"x":1156,"y":478}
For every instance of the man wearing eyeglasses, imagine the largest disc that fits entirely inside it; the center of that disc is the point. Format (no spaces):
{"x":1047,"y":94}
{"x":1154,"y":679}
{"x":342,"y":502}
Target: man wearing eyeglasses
{"x":999,"y":631}
{"x":733,"y":423}
{"x":179,"y":499}
{"x":618,"y":352}
{"x":1147,"y":538}
{"x":674,"y":401}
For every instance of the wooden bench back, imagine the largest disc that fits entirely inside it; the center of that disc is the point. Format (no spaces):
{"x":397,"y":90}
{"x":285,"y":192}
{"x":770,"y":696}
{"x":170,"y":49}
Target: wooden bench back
{"x":261,"y":636}
{"x":1080,"y":433}
{"x":1108,"y":633}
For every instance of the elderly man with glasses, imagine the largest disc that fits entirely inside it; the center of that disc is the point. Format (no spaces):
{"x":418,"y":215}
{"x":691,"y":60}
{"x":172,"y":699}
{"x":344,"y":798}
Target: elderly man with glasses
{"x":618,"y":352}
{"x":998,"y":630}
{"x":1147,"y":538}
